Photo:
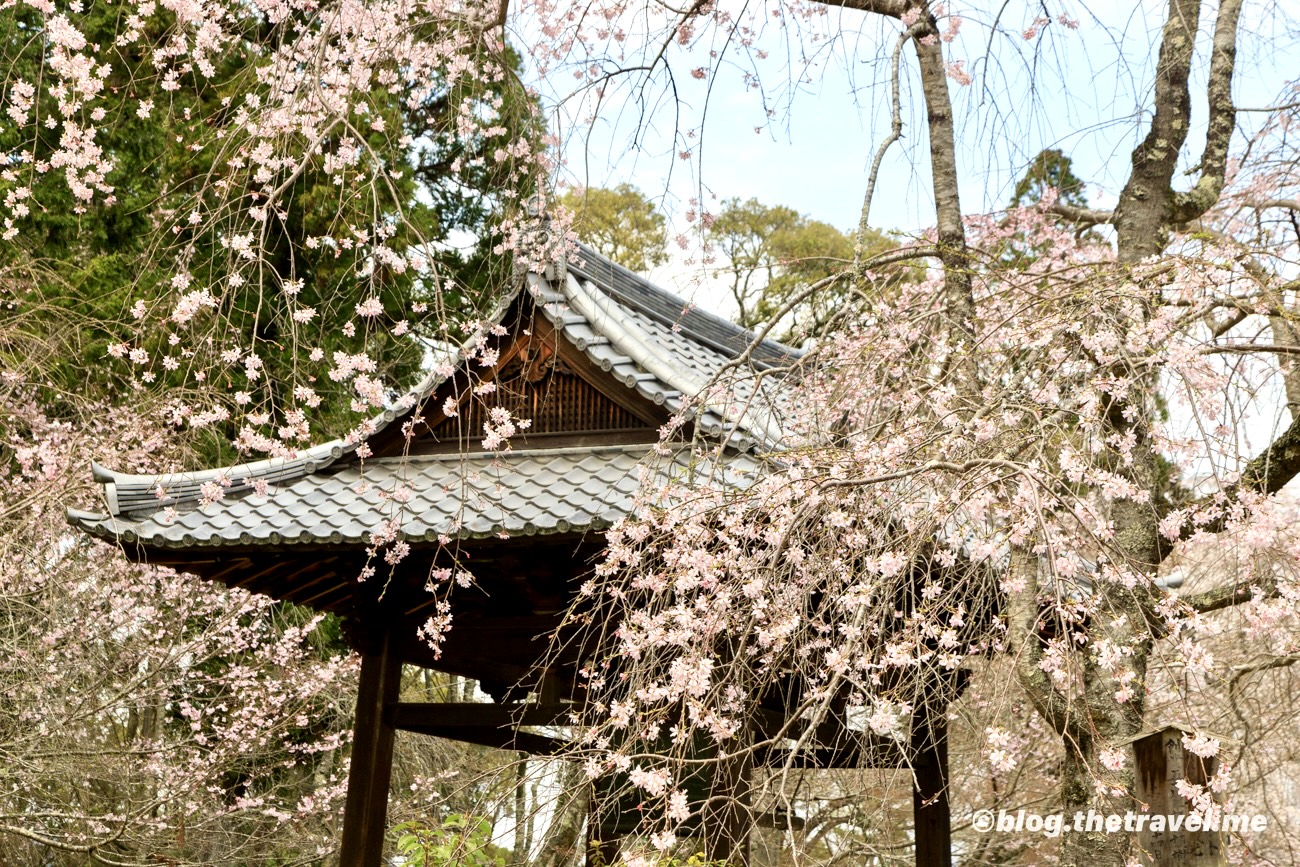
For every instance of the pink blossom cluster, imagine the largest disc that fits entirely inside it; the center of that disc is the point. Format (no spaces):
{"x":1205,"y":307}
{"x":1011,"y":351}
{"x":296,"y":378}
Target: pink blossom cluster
{"x":312,"y":98}
{"x":149,"y":708}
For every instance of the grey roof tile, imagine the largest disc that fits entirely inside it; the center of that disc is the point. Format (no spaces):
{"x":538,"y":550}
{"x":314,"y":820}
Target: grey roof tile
{"x":589,"y":484}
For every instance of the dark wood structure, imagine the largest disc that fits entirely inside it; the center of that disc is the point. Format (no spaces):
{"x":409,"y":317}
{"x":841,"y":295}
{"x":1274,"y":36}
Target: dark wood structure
{"x":598,"y":359}
{"x":1161,"y":762}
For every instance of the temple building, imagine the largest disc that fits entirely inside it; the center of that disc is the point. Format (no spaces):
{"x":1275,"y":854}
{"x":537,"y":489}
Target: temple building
{"x":598,"y":360}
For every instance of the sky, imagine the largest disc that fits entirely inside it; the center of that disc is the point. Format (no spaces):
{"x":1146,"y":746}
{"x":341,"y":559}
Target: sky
{"x":1085,"y":90}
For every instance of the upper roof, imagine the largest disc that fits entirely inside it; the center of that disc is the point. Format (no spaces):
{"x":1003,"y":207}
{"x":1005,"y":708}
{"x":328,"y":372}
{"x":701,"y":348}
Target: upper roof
{"x":648,"y":341}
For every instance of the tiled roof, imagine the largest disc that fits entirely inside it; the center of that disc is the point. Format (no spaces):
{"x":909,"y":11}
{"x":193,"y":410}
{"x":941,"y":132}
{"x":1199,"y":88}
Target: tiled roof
{"x":666,"y":348}
{"x":646,"y":338}
{"x":516,"y":493}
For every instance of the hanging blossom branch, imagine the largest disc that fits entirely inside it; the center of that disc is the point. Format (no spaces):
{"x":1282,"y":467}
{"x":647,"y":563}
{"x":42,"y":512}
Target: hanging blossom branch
{"x":916,"y":537}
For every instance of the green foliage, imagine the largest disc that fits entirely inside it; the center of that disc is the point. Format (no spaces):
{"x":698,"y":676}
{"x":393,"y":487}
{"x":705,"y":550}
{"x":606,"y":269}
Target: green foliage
{"x":620,"y":223}
{"x":459,"y":841}
{"x":774,"y":253}
{"x":1051,"y":168}
{"x":75,"y":273}
{"x":699,"y":859}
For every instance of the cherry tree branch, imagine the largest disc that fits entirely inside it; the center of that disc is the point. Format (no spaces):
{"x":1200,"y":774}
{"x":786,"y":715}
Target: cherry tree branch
{"x":1222,"y":119}
{"x":499,"y":20}
{"x":895,"y":133}
{"x":1268,"y":109}
{"x":1024,"y":648}
{"x":960,"y":301}
{"x":1082,"y":216}
{"x":1268,"y":473}
{"x":1268,"y":665}
{"x":1230,"y":595}
{"x":1143,"y":215}
{"x":888,"y":8}
{"x":1286,"y":204}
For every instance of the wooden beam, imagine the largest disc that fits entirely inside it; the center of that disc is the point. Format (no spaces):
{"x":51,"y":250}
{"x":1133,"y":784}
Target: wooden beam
{"x":409,"y":715}
{"x":488,"y":725}
{"x":331,"y":596}
{"x":826,"y":758}
{"x":250,"y":577}
{"x":366,"y":812}
{"x":498,"y":739}
{"x":228,"y":567}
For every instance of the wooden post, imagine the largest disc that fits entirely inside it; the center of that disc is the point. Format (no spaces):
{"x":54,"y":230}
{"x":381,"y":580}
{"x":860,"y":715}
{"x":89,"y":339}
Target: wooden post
{"x":1161,"y":761}
{"x":366,"y":811}
{"x":933,"y":828}
{"x":727,"y":820}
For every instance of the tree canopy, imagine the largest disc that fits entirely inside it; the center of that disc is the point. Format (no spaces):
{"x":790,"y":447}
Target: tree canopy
{"x":1051,"y":169}
{"x":620,"y":223}
{"x":772,"y":254}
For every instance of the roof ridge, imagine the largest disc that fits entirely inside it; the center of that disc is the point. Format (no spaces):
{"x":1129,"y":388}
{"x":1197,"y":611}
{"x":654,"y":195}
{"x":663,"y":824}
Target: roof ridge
{"x":775,"y":349}
{"x":595,"y":306}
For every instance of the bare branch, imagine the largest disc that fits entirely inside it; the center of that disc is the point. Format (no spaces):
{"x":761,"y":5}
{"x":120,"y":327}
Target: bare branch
{"x":1268,"y":665}
{"x":895,"y":133}
{"x":1251,"y":349}
{"x":1223,"y":326}
{"x":1082,"y":216}
{"x":1286,"y":204}
{"x":1268,"y":108}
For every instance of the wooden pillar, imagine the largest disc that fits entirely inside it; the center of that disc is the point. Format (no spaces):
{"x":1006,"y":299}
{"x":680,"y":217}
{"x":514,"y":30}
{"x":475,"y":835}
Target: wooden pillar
{"x":930,"y":812}
{"x":366,"y":812}
{"x":1161,"y":760}
{"x":727,"y":820}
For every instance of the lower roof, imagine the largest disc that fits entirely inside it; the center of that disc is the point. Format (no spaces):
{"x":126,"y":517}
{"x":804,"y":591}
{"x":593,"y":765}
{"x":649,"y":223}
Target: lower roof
{"x":456,"y":495}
